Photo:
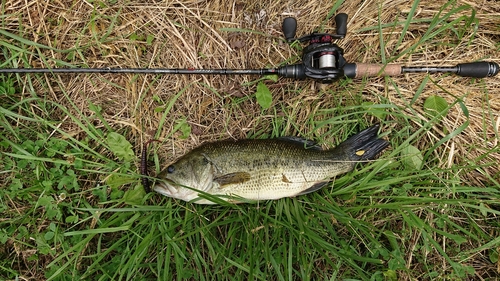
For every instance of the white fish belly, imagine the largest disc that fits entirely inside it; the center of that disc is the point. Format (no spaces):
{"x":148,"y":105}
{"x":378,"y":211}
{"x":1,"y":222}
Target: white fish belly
{"x":270,"y":185}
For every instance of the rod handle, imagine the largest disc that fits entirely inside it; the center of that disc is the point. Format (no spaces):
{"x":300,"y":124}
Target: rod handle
{"x":478,"y":69}
{"x":359,"y":70}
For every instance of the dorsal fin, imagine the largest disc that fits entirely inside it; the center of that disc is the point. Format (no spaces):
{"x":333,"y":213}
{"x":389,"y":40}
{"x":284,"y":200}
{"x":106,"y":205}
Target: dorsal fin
{"x":309,"y":144}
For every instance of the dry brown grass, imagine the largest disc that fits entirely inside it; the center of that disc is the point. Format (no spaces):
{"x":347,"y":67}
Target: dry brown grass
{"x":188,"y":34}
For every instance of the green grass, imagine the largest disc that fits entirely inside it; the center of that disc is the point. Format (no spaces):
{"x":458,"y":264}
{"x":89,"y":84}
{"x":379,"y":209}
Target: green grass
{"x":73,"y":207}
{"x":362,"y":227}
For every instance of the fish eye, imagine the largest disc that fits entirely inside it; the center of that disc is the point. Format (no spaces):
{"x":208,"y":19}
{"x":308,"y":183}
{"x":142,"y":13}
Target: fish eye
{"x":170,"y":169}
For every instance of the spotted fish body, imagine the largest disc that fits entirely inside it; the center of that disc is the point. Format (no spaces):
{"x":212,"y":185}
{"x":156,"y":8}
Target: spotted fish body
{"x":263,"y":169}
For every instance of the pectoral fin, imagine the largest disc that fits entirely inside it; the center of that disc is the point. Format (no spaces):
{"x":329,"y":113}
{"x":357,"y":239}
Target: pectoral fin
{"x":232,"y":178}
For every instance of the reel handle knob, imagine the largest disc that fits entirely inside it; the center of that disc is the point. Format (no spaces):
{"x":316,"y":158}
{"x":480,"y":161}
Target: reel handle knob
{"x":341,"y":23}
{"x":289,"y":28}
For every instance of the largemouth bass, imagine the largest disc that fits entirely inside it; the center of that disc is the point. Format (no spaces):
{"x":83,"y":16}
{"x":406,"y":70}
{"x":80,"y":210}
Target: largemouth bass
{"x":263,"y":169}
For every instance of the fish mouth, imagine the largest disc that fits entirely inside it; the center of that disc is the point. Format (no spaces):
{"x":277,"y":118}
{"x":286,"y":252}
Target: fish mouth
{"x":165,"y":188}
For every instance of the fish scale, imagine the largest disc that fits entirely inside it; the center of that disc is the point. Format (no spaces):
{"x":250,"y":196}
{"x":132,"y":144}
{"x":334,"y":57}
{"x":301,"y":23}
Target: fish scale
{"x":270,"y":160}
{"x":263,"y":169}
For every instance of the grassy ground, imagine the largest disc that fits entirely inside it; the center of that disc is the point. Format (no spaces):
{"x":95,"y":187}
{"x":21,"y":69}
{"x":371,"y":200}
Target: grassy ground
{"x":71,"y":200}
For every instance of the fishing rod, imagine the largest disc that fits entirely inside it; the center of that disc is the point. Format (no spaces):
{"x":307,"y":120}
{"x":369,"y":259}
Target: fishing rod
{"x":322,"y":60}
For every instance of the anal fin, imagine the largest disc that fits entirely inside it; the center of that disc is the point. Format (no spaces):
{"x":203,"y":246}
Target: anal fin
{"x":313,"y":188}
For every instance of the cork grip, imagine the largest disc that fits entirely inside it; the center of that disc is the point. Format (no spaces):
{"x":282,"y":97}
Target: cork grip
{"x":370,"y":70}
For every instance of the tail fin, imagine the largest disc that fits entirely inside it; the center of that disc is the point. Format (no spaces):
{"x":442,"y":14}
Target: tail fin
{"x":365,"y":145}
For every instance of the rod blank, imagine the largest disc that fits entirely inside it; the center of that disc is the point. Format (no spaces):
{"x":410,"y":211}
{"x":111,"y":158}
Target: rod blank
{"x":139,"y":71}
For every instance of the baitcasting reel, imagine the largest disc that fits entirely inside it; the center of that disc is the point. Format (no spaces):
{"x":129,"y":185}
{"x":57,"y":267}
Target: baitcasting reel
{"x":321,"y":60}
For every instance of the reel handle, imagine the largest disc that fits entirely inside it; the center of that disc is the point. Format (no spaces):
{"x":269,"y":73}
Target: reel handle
{"x":341,"y":24}
{"x":289,"y":28}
